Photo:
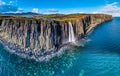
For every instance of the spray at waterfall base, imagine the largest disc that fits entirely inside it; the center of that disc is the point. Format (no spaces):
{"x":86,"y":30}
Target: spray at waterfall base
{"x":71,"y":43}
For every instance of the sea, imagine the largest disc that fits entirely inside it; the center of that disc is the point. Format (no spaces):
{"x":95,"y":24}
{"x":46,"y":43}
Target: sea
{"x":100,"y":56}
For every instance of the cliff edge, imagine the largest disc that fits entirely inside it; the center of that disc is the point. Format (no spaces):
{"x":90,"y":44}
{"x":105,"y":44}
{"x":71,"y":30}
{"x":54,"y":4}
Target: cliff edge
{"x":42,"y":35}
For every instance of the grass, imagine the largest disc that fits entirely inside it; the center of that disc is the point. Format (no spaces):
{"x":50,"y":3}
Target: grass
{"x":61,"y":17}
{"x":57,"y":17}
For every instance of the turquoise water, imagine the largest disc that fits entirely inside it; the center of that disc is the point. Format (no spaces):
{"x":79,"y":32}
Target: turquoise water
{"x":99,"y":57}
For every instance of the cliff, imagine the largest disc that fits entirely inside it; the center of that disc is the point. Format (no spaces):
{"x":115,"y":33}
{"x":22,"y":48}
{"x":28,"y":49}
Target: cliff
{"x":47,"y":32}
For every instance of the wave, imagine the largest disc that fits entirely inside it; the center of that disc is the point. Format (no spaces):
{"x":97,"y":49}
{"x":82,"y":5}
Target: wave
{"x":28,"y":54}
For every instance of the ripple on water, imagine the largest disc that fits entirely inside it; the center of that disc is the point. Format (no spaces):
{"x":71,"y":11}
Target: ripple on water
{"x":100,"y":57}
{"x":18,"y":66}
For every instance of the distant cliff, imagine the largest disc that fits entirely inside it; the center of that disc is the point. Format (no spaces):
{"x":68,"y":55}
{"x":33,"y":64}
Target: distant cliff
{"x":45,"y":32}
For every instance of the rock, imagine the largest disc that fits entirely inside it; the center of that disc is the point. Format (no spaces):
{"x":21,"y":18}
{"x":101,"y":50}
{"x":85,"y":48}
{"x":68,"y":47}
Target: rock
{"x":39,"y":33}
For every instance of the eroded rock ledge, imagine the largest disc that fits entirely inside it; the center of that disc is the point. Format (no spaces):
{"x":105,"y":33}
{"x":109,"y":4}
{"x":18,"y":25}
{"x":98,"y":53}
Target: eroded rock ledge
{"x":43,"y":35}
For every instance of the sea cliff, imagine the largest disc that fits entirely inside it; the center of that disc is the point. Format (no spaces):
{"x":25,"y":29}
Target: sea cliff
{"x":43,"y":35}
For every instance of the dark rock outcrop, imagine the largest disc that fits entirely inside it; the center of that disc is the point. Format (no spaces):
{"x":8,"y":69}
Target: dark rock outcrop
{"x":46,"y":34}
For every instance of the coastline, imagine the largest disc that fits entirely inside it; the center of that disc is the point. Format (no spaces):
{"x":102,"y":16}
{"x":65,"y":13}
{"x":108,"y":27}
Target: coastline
{"x":42,"y":55}
{"x":39,"y":56}
{"x":89,"y":31}
{"x":30,"y":54}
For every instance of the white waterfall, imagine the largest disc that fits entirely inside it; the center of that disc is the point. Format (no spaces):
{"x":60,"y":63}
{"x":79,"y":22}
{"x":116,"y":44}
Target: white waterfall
{"x":71,"y":33}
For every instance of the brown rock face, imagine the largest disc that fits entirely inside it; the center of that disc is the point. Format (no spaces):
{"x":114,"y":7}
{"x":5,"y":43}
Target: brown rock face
{"x":46,"y":34}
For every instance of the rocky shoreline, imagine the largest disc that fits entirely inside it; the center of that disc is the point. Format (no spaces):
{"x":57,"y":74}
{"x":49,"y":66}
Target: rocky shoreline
{"x":41,"y":55}
{"x":30,"y":54}
{"x":41,"y":40}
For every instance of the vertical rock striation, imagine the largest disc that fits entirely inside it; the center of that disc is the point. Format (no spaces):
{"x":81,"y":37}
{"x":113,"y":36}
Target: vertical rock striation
{"x":46,"y":34}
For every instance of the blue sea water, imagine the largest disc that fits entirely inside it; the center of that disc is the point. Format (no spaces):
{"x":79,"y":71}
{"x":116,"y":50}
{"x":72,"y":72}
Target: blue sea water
{"x":99,"y":57}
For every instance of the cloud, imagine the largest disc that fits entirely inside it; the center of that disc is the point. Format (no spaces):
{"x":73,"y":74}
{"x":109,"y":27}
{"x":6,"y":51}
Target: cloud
{"x":11,"y":2}
{"x":52,"y":10}
{"x":6,"y":8}
{"x":19,"y":10}
{"x":106,"y":1}
{"x":112,"y":9}
{"x":61,"y":11}
{"x":2,"y":3}
{"x":35,"y":10}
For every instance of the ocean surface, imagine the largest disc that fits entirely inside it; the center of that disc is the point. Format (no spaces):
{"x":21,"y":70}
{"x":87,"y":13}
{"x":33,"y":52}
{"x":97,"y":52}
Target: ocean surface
{"x":99,"y":57}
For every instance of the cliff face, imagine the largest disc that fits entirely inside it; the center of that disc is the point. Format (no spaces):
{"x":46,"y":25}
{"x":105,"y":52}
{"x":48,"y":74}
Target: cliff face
{"x":46,"y":34}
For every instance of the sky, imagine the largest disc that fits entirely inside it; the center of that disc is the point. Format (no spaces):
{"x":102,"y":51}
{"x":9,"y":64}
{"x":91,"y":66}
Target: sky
{"x":61,"y":6}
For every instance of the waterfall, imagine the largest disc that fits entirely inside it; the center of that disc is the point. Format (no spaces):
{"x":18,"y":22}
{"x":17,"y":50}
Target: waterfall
{"x":71,"y":33}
